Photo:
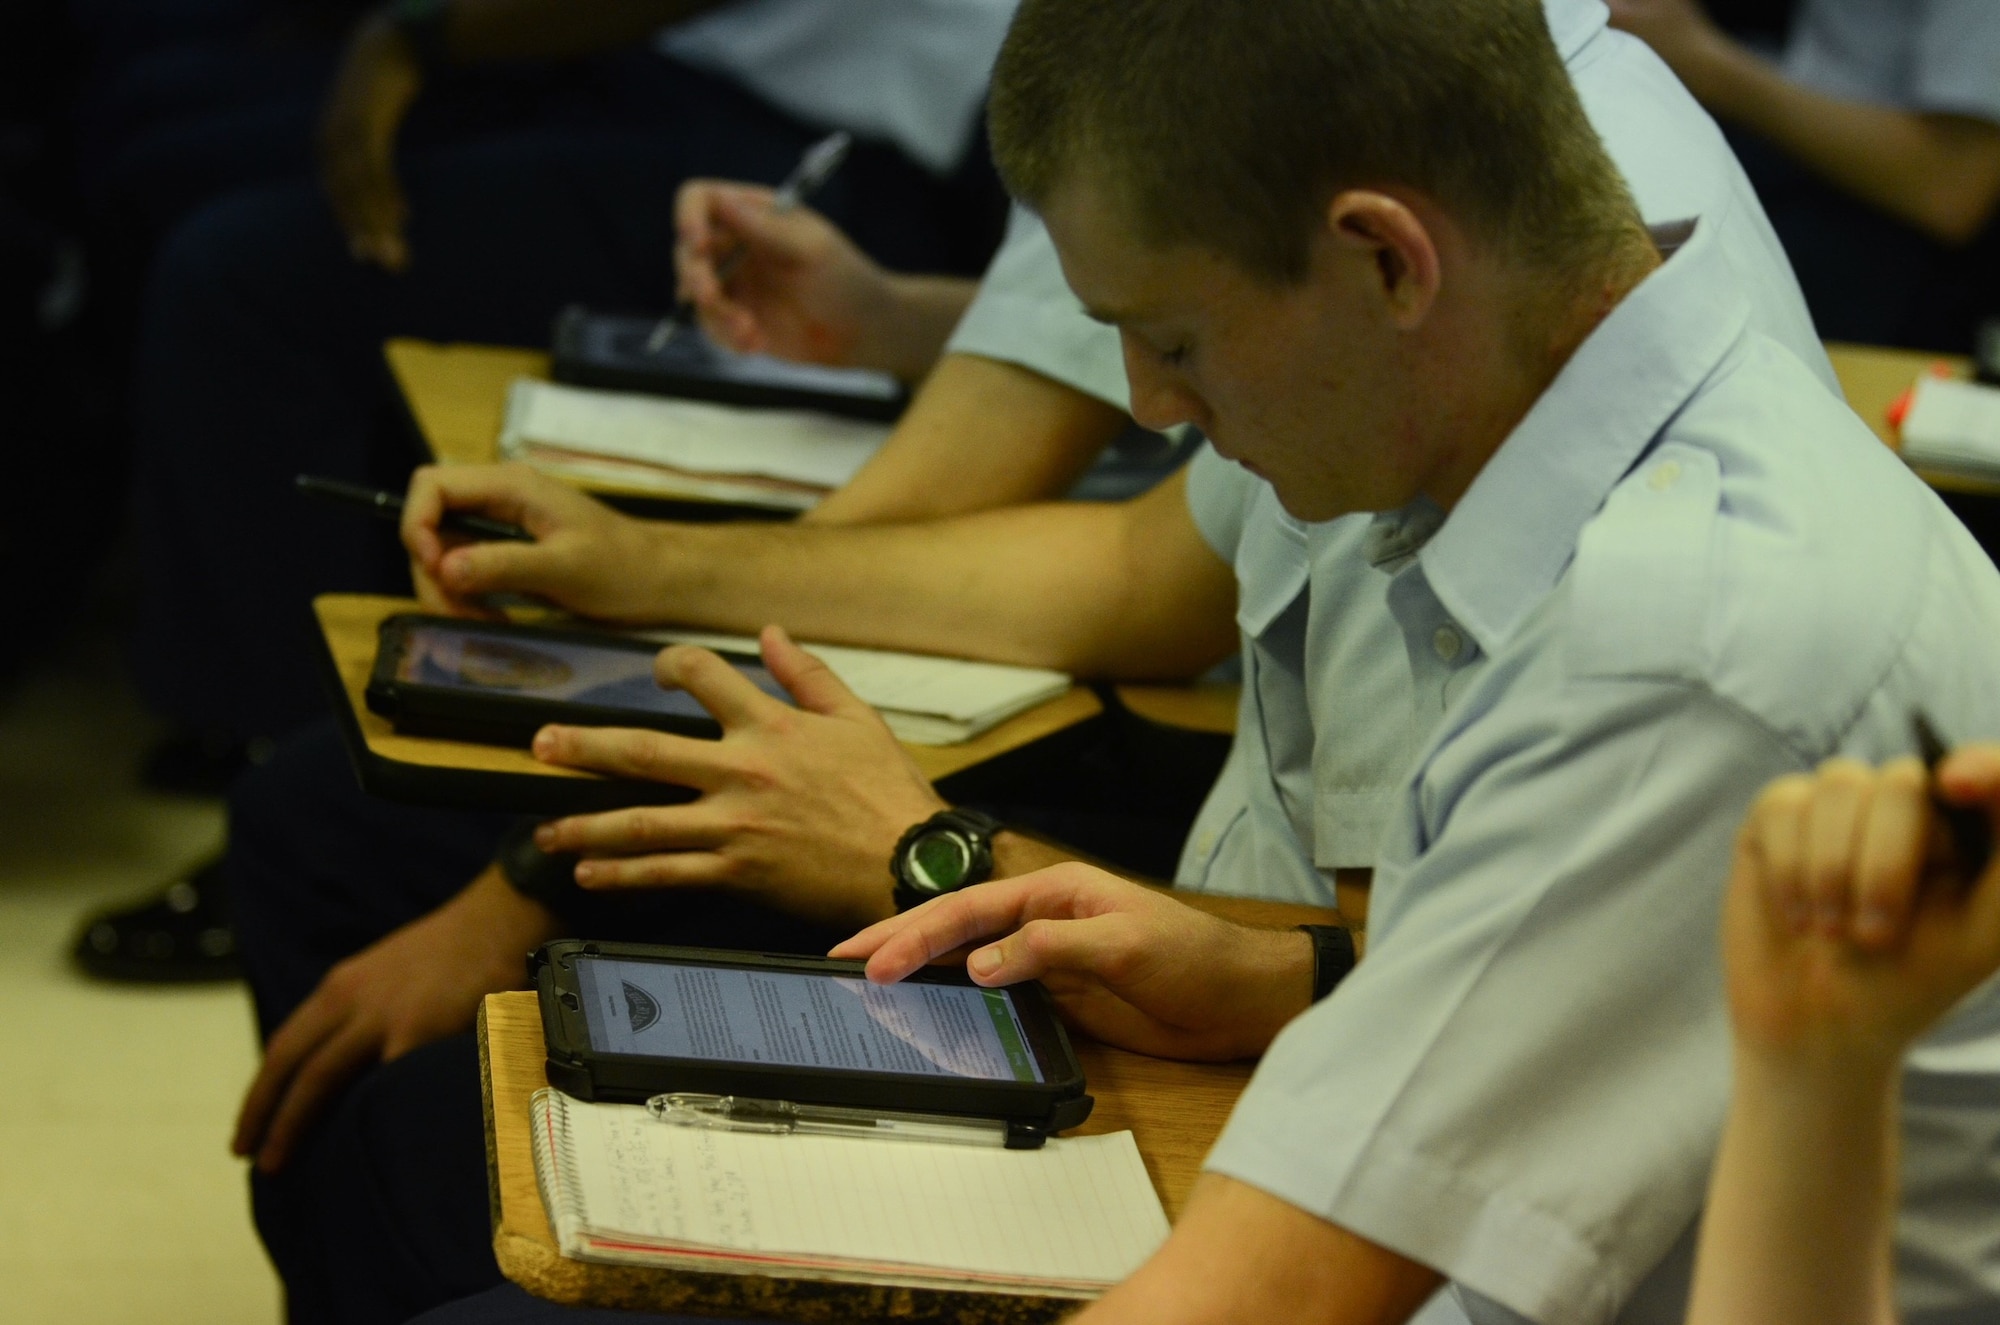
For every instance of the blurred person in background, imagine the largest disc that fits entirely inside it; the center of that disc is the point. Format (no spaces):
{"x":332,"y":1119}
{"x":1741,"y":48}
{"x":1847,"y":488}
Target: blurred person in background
{"x":259,"y":352}
{"x":1874,"y":140}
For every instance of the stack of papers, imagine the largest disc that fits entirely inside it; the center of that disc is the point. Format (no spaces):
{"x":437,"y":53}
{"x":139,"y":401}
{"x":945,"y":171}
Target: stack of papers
{"x":1953,"y":427}
{"x":1068,"y":1220}
{"x":925,"y":700}
{"x":685,"y":448}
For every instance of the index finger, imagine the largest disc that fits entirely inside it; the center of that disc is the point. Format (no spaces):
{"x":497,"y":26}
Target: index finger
{"x":505,"y":492}
{"x":695,"y":236}
{"x":423,"y":508}
{"x":901,"y":944}
{"x":291,"y":1045}
{"x":634,"y":754}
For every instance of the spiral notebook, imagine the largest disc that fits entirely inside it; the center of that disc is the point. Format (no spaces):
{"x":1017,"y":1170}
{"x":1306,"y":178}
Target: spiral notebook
{"x":1068,"y":1220}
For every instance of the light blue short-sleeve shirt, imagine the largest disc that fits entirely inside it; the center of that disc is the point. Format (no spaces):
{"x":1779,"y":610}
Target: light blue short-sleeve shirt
{"x":1689,"y":569}
{"x":1328,"y":721}
{"x":911,"y":72}
{"x":1025,"y":313}
{"x":1930,"y":55}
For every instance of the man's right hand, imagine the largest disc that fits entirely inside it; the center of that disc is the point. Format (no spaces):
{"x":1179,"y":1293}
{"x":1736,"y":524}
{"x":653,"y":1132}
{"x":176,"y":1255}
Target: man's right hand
{"x":372,"y":90}
{"x":797,"y":287}
{"x":420,"y":984}
{"x":1127,"y":964}
{"x":586,"y":557}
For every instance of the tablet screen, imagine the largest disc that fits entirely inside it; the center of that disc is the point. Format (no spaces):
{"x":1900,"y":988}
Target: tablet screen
{"x":535,"y":668}
{"x":792,"y":1019}
{"x":691,"y":352}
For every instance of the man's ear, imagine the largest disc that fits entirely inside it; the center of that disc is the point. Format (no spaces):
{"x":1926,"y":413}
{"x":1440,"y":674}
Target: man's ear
{"x":1404,"y":257}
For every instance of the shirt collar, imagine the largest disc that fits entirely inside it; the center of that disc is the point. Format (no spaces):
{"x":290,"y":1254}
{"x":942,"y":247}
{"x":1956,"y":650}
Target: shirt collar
{"x":1573,"y":23}
{"x":1510,"y":537}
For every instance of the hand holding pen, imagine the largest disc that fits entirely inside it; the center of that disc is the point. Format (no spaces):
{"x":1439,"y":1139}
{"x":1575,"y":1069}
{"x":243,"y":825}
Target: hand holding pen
{"x":814,"y":169}
{"x":1863,"y":904}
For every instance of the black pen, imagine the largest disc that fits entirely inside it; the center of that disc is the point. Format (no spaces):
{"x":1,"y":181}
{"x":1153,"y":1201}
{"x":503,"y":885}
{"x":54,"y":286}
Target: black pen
{"x":389,"y":506}
{"x":1971,"y":836}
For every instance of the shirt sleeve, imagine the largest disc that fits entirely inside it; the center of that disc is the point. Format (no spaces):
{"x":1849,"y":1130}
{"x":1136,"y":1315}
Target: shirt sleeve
{"x":1219,"y":493}
{"x":1523,"y":1083}
{"x":1025,"y":314}
{"x":1957,"y":63}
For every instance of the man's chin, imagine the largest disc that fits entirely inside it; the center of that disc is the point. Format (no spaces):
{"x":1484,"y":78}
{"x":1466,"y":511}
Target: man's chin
{"x":1308,"y":506}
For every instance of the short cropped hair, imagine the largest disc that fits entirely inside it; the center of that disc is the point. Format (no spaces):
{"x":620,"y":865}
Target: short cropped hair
{"x":1231,"y":124}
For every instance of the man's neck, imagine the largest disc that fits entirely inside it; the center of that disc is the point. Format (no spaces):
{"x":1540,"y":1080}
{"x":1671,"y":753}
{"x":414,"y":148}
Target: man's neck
{"x":1517,"y":329}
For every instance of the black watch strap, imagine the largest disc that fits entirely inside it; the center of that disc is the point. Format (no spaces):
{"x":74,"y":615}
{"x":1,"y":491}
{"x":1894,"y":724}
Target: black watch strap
{"x":536,"y":874}
{"x":1333,"y":957}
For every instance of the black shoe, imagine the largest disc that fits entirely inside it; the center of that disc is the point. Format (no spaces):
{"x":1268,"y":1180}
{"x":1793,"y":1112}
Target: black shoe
{"x":201,"y":761}
{"x":180,"y":935}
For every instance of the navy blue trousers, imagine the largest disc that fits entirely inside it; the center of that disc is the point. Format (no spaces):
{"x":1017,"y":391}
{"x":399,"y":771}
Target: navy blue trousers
{"x":382,"y":1212}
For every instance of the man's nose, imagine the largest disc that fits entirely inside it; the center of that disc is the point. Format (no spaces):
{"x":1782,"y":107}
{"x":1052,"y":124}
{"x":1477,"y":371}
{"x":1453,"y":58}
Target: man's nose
{"x":1159,"y":398}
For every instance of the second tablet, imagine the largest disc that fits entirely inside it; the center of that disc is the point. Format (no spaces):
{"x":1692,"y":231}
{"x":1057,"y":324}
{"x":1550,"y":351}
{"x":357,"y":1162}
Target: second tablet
{"x":499,"y":683}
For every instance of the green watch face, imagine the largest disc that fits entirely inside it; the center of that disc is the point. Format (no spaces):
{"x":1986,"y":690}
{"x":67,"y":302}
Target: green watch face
{"x":939,"y":861}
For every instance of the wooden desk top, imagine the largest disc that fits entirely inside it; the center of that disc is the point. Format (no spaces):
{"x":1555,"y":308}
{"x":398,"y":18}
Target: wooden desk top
{"x":1202,"y":708}
{"x":402,"y":766}
{"x":1174,"y":1111}
{"x":1873,"y":376}
{"x":458,"y":393}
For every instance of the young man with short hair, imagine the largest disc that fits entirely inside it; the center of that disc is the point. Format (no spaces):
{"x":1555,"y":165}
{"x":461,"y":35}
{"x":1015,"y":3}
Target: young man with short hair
{"x":1141,"y":589}
{"x":1641,"y":564}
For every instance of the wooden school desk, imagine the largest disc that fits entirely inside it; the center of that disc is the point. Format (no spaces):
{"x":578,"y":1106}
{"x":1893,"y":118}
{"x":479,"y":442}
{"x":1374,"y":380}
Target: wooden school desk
{"x":1174,"y":1111}
{"x":457,"y":394}
{"x":1873,"y":376}
{"x":431,"y":771}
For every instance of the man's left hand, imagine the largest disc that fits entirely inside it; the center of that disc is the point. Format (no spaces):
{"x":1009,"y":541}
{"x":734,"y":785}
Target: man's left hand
{"x":800,"y":807}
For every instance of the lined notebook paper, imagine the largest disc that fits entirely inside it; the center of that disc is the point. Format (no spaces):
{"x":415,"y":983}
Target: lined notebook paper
{"x":1068,"y":1220}
{"x":685,"y":447}
{"x":925,"y":700}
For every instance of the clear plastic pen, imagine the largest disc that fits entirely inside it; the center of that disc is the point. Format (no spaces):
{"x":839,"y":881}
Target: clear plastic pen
{"x":737,"y":1113}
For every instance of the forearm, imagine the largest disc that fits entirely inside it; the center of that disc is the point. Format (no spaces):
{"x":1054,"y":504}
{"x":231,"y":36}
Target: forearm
{"x":980,"y":434}
{"x":1938,"y":174}
{"x":1802,"y":1204}
{"x":906,"y":337}
{"x":1096,"y":590}
{"x":476,"y":31}
{"x":1242,"y":1255}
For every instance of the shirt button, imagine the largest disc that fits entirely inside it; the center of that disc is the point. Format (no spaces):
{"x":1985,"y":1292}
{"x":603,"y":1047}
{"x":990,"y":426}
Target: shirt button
{"x":1447,"y":642}
{"x":1665,"y":476}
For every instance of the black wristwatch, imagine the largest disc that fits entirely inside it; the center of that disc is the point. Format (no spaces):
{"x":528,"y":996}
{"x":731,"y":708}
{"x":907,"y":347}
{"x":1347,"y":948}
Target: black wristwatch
{"x":536,"y":874}
{"x":1333,"y":957}
{"x":952,"y":849}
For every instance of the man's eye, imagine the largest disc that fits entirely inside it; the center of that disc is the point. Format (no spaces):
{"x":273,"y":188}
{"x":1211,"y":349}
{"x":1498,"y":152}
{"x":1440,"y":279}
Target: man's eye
{"x":1176,"y":356}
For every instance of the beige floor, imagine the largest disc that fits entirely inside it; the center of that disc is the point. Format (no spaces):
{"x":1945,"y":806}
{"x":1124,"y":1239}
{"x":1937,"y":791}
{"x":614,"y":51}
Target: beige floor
{"x":118,"y":1200}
